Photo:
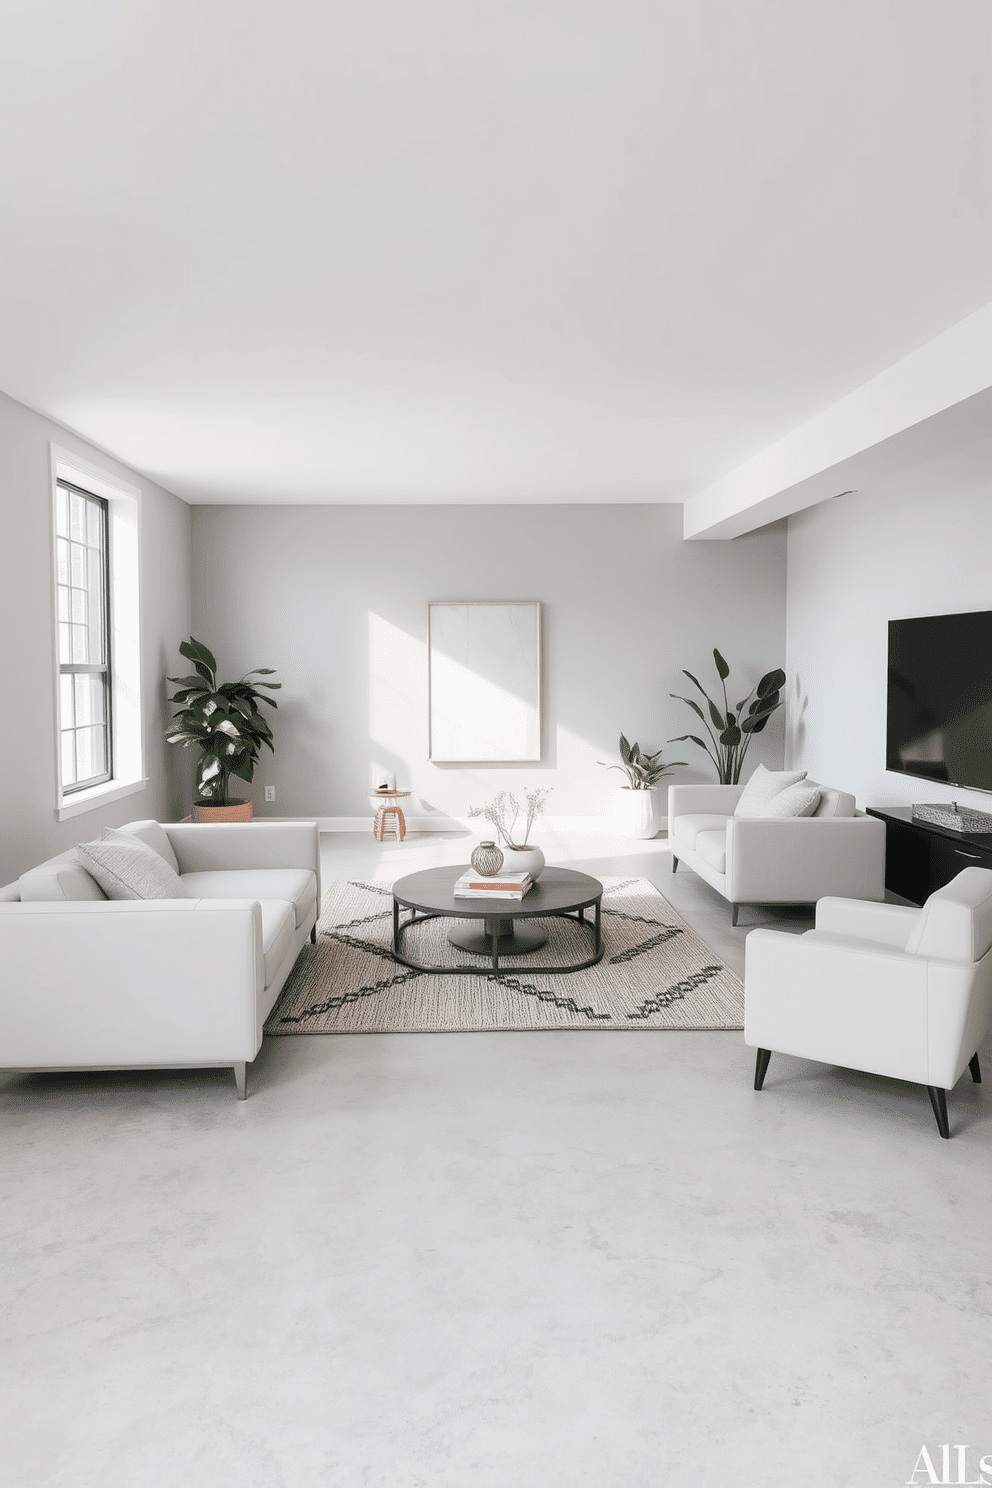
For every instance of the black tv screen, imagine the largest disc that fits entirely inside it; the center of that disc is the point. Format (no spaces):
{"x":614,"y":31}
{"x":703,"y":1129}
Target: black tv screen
{"x":939,"y":723}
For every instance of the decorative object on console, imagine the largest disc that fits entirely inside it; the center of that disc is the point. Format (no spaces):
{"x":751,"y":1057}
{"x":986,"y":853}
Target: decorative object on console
{"x":637,"y":810}
{"x":225,"y":724}
{"x":487,"y":859}
{"x":734,"y":727}
{"x":952,"y":816}
{"x":503,"y":812}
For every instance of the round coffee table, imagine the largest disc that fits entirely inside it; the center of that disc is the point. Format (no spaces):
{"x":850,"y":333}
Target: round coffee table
{"x":559,"y":892}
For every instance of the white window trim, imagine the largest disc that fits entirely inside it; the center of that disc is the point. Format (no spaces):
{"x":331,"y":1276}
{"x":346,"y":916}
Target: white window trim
{"x":123,"y":539}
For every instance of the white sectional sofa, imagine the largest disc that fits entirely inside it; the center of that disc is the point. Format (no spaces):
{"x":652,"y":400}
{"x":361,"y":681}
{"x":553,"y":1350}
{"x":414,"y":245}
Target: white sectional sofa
{"x":88,"y":982}
{"x":794,"y":860}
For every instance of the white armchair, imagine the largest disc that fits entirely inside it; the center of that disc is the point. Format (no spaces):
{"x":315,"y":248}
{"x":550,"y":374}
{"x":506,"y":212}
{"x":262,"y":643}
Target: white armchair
{"x":796,"y":860}
{"x":895,"y":991}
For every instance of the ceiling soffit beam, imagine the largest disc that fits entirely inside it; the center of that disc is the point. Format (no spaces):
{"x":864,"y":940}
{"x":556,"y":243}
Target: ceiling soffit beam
{"x":937,"y":397}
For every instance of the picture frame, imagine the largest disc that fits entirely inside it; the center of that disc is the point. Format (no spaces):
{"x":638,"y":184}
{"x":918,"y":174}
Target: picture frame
{"x":484,"y":681}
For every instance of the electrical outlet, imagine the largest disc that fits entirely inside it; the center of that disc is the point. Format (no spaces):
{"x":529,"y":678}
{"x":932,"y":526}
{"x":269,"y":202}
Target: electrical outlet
{"x":270,"y":792}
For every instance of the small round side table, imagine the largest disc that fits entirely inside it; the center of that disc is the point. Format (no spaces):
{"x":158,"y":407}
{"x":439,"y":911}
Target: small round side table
{"x":389,"y":818}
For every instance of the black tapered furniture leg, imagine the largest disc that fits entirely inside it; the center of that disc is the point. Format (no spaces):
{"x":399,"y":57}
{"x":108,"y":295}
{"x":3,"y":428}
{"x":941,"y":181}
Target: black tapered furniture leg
{"x":760,"y":1067}
{"x":976,"y":1069}
{"x":675,"y":862}
{"x":735,"y":910}
{"x":938,"y":1099}
{"x":313,"y":935}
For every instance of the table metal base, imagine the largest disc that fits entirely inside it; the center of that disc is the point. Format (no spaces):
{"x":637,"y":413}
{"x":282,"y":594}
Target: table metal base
{"x":493,"y":946}
{"x":513,"y":940}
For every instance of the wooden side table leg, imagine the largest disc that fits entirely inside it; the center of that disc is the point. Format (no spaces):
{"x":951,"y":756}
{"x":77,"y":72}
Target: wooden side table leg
{"x":401,"y":822}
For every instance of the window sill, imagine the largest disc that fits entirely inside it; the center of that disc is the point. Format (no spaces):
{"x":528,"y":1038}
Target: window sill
{"x":98,"y":795}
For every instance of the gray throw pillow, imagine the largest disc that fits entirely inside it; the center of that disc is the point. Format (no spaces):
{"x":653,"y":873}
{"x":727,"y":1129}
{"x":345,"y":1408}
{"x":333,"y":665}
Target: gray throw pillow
{"x":129,"y":869}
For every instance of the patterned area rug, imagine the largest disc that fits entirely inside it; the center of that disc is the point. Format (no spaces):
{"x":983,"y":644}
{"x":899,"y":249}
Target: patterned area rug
{"x":655,"y":973}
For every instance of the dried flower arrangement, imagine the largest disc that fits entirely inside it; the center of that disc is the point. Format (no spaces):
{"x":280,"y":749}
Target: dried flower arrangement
{"x":504,"y":809}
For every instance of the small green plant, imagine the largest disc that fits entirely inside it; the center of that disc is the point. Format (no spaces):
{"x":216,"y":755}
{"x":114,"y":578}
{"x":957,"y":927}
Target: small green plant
{"x":642,"y":770}
{"x":734,"y":728}
{"x":225,"y":723}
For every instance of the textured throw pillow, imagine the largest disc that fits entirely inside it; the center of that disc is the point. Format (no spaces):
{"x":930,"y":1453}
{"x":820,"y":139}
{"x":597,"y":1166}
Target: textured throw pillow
{"x":796,"y":800}
{"x":151,"y":833}
{"x":126,"y":868}
{"x":763,"y":786}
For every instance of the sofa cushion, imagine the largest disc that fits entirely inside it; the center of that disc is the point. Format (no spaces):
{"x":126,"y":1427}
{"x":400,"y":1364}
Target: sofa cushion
{"x":278,"y":934}
{"x":687,"y":828}
{"x":712,"y":848}
{"x":298,"y":885}
{"x":63,"y":877}
{"x":835,"y":802}
{"x":762,"y":787}
{"x":800,"y":799}
{"x":127,"y":868}
{"x":153,"y":835}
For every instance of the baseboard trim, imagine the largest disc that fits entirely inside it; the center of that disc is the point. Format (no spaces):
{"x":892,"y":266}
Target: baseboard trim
{"x":439,"y":823}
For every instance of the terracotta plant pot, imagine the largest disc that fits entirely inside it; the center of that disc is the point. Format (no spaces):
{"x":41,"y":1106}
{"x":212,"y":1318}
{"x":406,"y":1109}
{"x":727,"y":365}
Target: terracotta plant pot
{"x":240,"y":812}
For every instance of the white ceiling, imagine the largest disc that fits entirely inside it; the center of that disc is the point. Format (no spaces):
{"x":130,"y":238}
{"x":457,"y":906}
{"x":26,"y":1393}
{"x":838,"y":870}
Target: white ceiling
{"x":537,"y":250}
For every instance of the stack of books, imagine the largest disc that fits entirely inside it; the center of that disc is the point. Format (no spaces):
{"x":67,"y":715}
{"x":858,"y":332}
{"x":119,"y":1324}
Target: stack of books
{"x":472,"y":885}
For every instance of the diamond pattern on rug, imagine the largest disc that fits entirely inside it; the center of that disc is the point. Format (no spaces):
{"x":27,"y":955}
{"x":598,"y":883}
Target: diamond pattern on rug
{"x":656,"y":973}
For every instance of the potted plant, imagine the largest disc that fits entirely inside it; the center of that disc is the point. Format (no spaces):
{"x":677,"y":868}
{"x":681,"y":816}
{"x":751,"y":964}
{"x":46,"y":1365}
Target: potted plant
{"x":637,"y":801}
{"x":226,"y":725}
{"x":734,"y":727}
{"x":503,"y":812}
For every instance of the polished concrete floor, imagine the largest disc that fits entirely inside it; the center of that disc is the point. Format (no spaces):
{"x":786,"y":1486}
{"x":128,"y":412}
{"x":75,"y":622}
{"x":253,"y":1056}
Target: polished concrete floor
{"x":493,"y":1260}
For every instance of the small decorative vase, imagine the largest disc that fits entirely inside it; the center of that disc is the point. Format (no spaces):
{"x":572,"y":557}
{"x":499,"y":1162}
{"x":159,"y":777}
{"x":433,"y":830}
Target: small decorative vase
{"x":637,"y":812}
{"x":529,"y":858}
{"x":487,"y":859}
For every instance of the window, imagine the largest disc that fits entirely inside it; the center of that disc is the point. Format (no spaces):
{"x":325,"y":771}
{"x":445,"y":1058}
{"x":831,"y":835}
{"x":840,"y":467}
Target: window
{"x":82,"y":577}
{"x":96,"y":636}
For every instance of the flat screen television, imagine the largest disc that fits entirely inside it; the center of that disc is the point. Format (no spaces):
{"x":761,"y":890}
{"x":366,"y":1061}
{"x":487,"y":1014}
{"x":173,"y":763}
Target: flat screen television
{"x":939,"y":716}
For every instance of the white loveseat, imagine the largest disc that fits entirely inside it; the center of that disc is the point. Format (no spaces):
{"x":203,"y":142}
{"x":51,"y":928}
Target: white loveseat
{"x":795,"y":860}
{"x":88,"y":982}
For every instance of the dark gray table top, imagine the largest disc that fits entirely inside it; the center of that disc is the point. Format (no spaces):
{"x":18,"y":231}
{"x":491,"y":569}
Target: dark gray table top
{"x":556,"y":890}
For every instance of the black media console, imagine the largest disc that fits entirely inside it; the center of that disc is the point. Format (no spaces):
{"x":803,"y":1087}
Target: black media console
{"x":920,"y":857}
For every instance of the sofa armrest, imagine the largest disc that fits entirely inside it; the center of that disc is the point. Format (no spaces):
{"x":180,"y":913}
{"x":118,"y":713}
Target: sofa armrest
{"x":859,"y":1007}
{"x":883,"y":924}
{"x":803,"y":859}
{"x":204,"y":846}
{"x":715,"y":800}
{"x":130,"y":982}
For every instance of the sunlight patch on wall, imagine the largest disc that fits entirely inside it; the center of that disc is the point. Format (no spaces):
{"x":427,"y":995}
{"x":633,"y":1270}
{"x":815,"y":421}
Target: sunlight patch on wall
{"x":397,"y":702}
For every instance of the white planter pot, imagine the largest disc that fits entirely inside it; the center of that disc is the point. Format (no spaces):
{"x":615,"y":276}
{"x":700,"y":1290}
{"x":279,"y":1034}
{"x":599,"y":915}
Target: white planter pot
{"x":637,"y":812}
{"x":517,"y":858}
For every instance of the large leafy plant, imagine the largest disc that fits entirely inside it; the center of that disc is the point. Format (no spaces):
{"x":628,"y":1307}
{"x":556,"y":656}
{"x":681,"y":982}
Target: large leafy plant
{"x":642,"y":770}
{"x":224,"y":723}
{"x":731,"y":730}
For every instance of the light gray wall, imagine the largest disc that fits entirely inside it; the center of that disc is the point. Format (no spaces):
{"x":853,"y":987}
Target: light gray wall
{"x":919,"y":543}
{"x":29,"y":831}
{"x":335,"y":599}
